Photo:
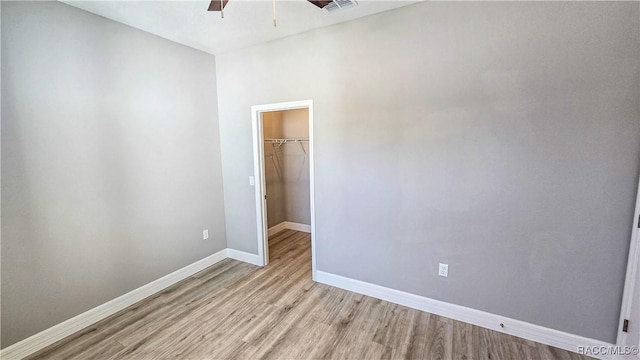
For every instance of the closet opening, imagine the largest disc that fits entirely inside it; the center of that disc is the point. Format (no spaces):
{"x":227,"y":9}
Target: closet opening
{"x":284,"y":182}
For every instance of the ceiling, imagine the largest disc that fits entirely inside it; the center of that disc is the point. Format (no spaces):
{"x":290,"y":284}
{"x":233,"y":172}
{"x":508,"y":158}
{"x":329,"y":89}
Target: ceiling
{"x":245,"y":23}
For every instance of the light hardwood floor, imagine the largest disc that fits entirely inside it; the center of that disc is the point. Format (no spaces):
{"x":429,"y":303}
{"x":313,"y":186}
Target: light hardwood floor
{"x":233,"y":310}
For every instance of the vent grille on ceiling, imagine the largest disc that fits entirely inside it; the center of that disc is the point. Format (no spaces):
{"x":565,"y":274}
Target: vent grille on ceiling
{"x":340,"y":4}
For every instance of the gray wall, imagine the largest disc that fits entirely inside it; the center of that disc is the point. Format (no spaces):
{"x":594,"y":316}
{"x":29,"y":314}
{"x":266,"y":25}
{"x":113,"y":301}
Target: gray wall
{"x":110,"y":162}
{"x":500,"y":138}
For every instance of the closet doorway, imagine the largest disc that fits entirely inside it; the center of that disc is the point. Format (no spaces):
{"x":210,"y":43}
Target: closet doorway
{"x":284,"y":172}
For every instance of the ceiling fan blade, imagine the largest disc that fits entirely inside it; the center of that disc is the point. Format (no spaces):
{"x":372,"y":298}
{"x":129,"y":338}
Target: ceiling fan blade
{"x":320,"y":4}
{"x":215,"y":5}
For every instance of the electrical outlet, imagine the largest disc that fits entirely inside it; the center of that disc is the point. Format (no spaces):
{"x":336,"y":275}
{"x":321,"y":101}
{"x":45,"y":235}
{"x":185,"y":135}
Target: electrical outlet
{"x":205,"y":234}
{"x":443,"y":270}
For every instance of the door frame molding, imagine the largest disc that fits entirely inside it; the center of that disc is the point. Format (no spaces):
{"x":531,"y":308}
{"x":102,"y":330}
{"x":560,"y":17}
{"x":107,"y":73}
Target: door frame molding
{"x":260,"y":183}
{"x":633,"y":271}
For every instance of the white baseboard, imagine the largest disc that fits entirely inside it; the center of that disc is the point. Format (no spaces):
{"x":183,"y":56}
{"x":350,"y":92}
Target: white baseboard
{"x":297,"y":226}
{"x":58,"y":332}
{"x":277,"y":228}
{"x":244,"y":257}
{"x":487,"y":320}
{"x":483,"y":319}
{"x":289,"y":225}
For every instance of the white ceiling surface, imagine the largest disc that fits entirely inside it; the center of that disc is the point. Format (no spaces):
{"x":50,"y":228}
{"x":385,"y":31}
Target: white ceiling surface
{"x":245,"y":23}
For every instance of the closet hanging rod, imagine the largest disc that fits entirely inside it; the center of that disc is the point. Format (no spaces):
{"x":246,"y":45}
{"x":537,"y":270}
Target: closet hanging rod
{"x":285,"y":140}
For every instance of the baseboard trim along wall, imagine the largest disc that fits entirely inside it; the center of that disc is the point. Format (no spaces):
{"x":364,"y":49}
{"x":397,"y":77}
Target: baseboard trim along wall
{"x":66,"y":328}
{"x":289,"y":225}
{"x":277,"y":228}
{"x":483,"y":319}
{"x":487,"y":320}
{"x":298,"y":227}
{"x":244,"y":257}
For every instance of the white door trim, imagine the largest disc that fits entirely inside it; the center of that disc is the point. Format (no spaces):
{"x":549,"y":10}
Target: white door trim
{"x":260,"y":188}
{"x":633,"y":271}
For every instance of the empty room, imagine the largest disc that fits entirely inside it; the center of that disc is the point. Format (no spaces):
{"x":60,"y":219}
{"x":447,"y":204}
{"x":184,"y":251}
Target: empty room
{"x":297,"y":179}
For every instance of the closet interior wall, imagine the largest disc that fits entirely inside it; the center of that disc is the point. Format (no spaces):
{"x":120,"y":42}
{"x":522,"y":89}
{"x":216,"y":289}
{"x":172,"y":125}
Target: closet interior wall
{"x":287,"y":166}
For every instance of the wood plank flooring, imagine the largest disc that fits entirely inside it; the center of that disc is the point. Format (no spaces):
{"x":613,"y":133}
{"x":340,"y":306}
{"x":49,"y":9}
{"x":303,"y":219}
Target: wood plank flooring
{"x":234,"y":310}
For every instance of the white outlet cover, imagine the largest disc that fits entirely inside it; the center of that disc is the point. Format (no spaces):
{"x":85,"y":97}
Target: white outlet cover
{"x":443,"y":270}
{"x":252,"y":181}
{"x":205,"y":234}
